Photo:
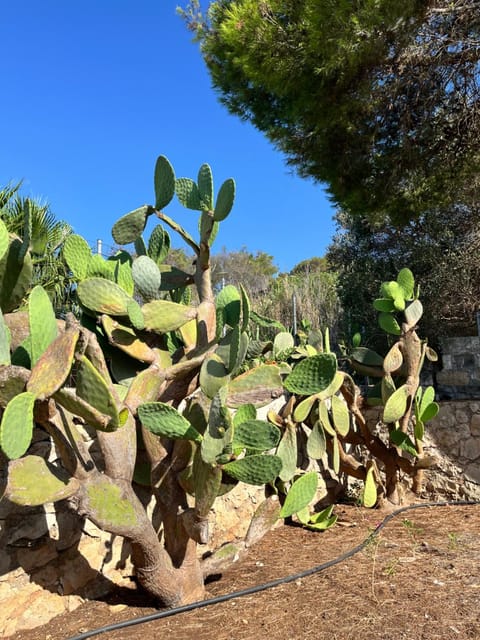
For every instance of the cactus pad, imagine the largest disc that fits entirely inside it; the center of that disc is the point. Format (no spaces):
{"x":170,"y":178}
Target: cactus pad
{"x":207,"y":481}
{"x":396,"y":405}
{"x":15,"y":276}
{"x":147,"y":277}
{"x":316,"y":443}
{"x":205,"y":187}
{"x":312,"y":374}
{"x":77,"y":254}
{"x":300,"y":494}
{"x":225,"y":200}
{"x":17,"y":425}
{"x":188,"y":193}
{"x":109,"y":506}
{"x":256,"y":469}
{"x":213,"y":375}
{"x":228,"y":304}
{"x":43,"y":325}
{"x":92,"y":388}
{"x":130,"y":226}
{"x":162,"y":316}
{"x":255,"y":434}
{"x":32,"y":482}
{"x":4,"y":342}
{"x":163,"y":420}
{"x":406,"y":282}
{"x":370,"y":489}
{"x":287,"y":451}
{"x":54,"y":365}
{"x":164,"y":183}
{"x":4,"y":239}
{"x":103,"y":296}
{"x":257,"y":386}
{"x":393,"y":360}
{"x":158,"y":244}
{"x":340,"y":415}
{"x":244,"y":413}
{"x":127,"y":340}
{"x":413,"y":313}
{"x":389,"y":324}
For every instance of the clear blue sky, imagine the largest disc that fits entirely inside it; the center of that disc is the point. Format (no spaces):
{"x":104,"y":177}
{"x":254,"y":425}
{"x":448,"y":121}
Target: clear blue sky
{"x":94,"y":91}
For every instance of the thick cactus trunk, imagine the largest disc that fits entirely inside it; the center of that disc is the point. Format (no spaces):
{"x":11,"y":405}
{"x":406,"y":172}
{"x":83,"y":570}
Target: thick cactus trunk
{"x":113,"y":506}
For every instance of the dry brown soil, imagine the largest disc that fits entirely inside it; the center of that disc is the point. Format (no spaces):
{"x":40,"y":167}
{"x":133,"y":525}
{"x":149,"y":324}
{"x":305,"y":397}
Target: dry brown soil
{"x":419,"y":579}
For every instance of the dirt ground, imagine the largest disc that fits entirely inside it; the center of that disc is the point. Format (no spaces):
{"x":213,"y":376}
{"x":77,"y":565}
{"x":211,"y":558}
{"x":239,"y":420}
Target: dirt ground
{"x":418,"y":579}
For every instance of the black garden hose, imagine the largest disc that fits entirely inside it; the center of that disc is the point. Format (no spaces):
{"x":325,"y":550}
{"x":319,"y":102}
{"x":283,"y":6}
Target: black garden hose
{"x":273,"y":583}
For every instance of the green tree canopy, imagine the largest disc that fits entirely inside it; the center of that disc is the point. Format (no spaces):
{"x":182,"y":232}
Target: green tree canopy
{"x":440,"y":247}
{"x":379,"y":99}
{"x":254,"y":271}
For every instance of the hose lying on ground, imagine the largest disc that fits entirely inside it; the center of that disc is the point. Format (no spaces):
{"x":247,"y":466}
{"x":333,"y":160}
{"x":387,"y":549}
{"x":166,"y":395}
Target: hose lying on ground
{"x":273,"y":583}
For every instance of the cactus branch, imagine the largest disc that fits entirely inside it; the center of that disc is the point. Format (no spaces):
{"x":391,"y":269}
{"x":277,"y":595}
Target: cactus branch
{"x":180,"y":230}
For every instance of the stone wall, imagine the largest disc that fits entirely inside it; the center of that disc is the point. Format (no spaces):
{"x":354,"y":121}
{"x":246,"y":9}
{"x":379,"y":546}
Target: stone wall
{"x":459,"y":376}
{"x":453,"y":437}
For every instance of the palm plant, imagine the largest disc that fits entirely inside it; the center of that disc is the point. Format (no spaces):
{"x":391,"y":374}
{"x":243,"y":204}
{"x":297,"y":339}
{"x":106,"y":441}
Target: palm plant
{"x":24,"y":215}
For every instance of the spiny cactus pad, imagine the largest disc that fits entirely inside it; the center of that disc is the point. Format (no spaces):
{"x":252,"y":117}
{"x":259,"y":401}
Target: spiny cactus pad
{"x":108,"y":505}
{"x":53,"y":367}
{"x":92,"y":388}
{"x":43,"y":325}
{"x":17,"y":425}
{"x":325,"y":417}
{"x":256,"y":469}
{"x":340,"y":415}
{"x":162,"y":316}
{"x":228,"y":304}
{"x":393,"y":360}
{"x":78,"y":254}
{"x":244,"y":413}
{"x":158,"y":244}
{"x":130,"y":226}
{"x":396,"y":405}
{"x":4,"y":239}
{"x":4,"y":342}
{"x":389,"y":324}
{"x":300,"y":494}
{"x":228,"y":349}
{"x":213,"y":375}
{"x":32,"y":482}
{"x":123,"y":271}
{"x":188,"y":193}
{"x":147,"y":277}
{"x":125,"y":339}
{"x":163,"y":420}
{"x":225,"y":200}
{"x":316,"y":443}
{"x":15,"y":275}
{"x":312,"y":374}
{"x":164,"y":183}
{"x":205,"y":187}
{"x":103,"y":296}
{"x":370,"y":489}
{"x":413,"y":313}
{"x":256,"y":386}
{"x":287,"y":451}
{"x":98,"y":267}
{"x":406,"y":282}
{"x":255,"y":434}
{"x":207,"y":481}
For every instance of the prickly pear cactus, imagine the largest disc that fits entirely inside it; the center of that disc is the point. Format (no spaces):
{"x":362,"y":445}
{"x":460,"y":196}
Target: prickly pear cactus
{"x":139,"y":350}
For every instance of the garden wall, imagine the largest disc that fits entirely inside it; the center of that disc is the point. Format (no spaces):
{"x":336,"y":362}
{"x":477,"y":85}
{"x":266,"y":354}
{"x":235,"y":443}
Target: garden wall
{"x":459,"y":375}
